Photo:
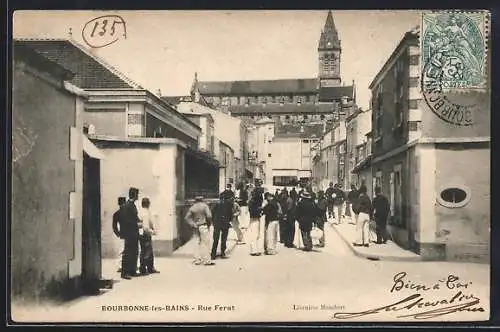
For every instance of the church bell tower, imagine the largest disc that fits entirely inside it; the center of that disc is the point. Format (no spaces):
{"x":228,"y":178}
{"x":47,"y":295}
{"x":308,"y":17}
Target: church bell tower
{"x":329,"y":51}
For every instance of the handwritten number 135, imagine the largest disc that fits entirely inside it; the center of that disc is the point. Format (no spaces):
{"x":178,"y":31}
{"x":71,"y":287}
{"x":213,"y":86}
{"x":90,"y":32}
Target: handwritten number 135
{"x":103,"y":28}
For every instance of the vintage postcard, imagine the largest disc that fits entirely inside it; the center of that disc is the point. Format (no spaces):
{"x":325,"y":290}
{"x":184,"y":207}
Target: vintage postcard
{"x":250,"y":166}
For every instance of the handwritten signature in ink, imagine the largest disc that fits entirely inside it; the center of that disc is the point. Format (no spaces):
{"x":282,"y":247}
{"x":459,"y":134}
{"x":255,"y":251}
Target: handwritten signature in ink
{"x":104,"y":30}
{"x":458,"y":302}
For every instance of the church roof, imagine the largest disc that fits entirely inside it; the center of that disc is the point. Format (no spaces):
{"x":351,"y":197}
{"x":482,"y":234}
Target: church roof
{"x":288,"y":108}
{"x":327,"y":94}
{"x":258,"y":87}
{"x":90,"y":72}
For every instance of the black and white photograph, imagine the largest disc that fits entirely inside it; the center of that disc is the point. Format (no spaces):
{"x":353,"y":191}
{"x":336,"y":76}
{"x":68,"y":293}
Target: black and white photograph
{"x":242,"y":166}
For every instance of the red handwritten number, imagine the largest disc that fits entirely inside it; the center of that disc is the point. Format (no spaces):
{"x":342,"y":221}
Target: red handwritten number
{"x":93,"y":30}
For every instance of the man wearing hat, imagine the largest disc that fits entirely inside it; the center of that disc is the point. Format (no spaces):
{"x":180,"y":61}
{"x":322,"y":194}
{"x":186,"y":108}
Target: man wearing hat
{"x":199,"y":218}
{"x":306,"y":213}
{"x":338,"y":202}
{"x":363,"y":208}
{"x":255,"y":229}
{"x":222,"y":216}
{"x":228,"y":192}
{"x":130,"y":233}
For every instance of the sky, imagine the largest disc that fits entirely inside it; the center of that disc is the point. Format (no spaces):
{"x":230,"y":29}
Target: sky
{"x":163,"y":49}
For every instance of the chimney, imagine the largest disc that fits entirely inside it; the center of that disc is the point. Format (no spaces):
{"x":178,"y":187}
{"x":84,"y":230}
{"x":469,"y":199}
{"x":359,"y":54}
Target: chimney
{"x":158,"y":92}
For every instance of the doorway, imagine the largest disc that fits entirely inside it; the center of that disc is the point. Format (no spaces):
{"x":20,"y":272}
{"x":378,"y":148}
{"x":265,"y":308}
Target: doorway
{"x":91,"y":225}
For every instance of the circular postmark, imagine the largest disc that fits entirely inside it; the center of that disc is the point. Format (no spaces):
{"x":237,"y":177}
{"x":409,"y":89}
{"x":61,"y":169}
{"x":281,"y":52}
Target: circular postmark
{"x":441,"y":98}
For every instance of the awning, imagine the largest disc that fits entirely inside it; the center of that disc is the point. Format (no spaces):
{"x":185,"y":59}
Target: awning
{"x":90,"y":149}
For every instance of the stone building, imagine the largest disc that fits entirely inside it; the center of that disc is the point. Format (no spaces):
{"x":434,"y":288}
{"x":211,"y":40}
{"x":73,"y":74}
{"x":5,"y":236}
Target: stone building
{"x":55,"y":226}
{"x":129,"y":123}
{"x":435,"y":173}
{"x":226,"y":130}
{"x":291,"y":101}
{"x":328,"y":162}
{"x":358,"y":124}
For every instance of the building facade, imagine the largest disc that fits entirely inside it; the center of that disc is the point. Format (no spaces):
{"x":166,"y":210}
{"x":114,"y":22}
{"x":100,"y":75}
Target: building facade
{"x":435,"y":173}
{"x":295,"y":102}
{"x":292,"y":160}
{"x":227,"y":129}
{"x":51,"y":184}
{"x":129,"y":123}
{"x":358,"y":124}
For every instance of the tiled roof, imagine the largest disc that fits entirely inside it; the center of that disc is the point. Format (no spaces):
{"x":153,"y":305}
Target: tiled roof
{"x":27,"y":54}
{"x":259,"y":87}
{"x":288,"y":108}
{"x":90,"y":71}
{"x":328,"y":94}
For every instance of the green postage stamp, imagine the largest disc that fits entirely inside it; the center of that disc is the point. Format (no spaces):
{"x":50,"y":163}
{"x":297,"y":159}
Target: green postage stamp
{"x":454,"y":46}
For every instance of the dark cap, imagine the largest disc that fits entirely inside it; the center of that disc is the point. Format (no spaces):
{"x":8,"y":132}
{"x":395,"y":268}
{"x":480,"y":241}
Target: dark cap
{"x":133,"y":192}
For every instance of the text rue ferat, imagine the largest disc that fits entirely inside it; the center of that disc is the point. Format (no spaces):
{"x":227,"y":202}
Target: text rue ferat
{"x":170,"y":307}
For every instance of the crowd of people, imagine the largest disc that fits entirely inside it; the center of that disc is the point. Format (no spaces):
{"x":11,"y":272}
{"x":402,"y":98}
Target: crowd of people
{"x":134,"y":224}
{"x":284,"y":213}
{"x":285,"y":216}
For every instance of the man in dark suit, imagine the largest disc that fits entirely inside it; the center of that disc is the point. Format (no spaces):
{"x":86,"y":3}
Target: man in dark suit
{"x":222,"y":216}
{"x":117,"y":217}
{"x":381,"y":209}
{"x":130,"y":233}
{"x":306,"y":213}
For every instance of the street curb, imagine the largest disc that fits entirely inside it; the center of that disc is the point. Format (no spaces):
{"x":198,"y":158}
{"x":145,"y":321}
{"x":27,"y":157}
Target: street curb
{"x":374,"y":256}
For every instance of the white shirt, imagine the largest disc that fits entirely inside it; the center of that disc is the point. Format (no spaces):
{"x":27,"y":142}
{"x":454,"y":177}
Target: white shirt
{"x":146,"y":218}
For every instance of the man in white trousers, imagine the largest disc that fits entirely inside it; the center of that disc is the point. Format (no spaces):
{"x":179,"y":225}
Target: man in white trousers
{"x":363,"y":208}
{"x":256,"y":227}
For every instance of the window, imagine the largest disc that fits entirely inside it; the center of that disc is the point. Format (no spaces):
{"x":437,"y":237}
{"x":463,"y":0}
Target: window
{"x":454,"y":196}
{"x":413,"y":104}
{"x":414,"y":60}
{"x":398,"y":119}
{"x":413,"y":82}
{"x":414,"y":125}
{"x":269,"y":155}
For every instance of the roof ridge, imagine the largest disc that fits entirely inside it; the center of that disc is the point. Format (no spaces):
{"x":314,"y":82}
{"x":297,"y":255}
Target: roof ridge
{"x":38,"y":39}
{"x":106,"y":65}
{"x":261,"y":80}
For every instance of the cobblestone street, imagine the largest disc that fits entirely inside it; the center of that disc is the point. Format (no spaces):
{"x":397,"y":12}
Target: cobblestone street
{"x":245,"y":288}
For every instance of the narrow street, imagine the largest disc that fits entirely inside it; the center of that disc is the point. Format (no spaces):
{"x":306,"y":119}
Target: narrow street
{"x":268,"y":287}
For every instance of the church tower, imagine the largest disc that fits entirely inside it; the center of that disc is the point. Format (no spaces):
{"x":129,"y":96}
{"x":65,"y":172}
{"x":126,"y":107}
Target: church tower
{"x":329,"y":54}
